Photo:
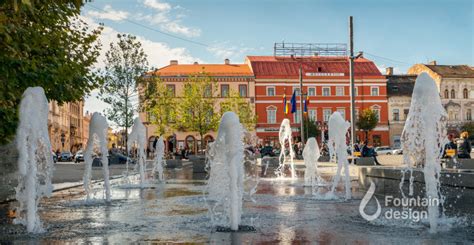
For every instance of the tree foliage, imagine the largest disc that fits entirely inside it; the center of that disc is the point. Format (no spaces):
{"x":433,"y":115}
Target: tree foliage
{"x":125,"y":63}
{"x":43,"y":43}
{"x":310,"y":128}
{"x":242,"y":108}
{"x":196,"y":108}
{"x":367,"y":121}
{"x":159,"y":103}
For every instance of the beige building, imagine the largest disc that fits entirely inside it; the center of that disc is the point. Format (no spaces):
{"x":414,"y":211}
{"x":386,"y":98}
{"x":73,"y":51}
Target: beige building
{"x":65,"y":126}
{"x":230,"y":77}
{"x":399,"y":91}
{"x":85,"y":132}
{"x":456,"y":86}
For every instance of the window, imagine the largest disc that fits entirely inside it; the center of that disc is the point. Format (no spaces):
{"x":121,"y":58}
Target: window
{"x":469,"y":115}
{"x":396,"y":115}
{"x":374,"y":91}
{"x":270,"y":91}
{"x":311,"y":91}
{"x":356,"y":91}
{"x":208,"y":91}
{"x":297,"y":89}
{"x":243,"y":90}
{"x":376,"y":110}
{"x":446,"y":94}
{"x":271,"y":114}
{"x":405,"y":113}
{"x":225,"y":90}
{"x":326,"y":91}
{"x":453,"y":94}
{"x":312,"y":114}
{"x":326,"y":114}
{"x":171,"y":89}
{"x":339,"y":91}
{"x":342,"y":111}
{"x":356,"y":114}
{"x":465,"y":94}
{"x":297,"y":116}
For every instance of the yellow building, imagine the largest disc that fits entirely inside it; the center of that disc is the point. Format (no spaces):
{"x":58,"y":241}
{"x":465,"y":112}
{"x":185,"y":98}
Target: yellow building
{"x":65,"y":126}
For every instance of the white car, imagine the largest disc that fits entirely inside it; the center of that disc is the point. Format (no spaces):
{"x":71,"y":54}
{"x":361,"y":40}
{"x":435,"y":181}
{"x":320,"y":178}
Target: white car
{"x":383,"y":150}
{"x":397,"y":151}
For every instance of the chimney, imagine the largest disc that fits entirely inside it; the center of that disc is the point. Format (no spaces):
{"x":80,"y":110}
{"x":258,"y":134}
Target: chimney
{"x":173,"y":62}
{"x":227,"y":61}
{"x":389,"y":71}
{"x":433,"y":62}
{"x":196,"y":63}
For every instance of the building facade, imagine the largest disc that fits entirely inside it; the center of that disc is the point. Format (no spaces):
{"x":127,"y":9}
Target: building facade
{"x":399,"y":91}
{"x":326,"y":82}
{"x":229,"y":77}
{"x":456,"y":86}
{"x":65,"y":126}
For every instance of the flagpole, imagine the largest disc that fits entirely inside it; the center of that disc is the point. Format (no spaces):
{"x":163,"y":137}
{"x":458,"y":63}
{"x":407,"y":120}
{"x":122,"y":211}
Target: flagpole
{"x":301,"y":104}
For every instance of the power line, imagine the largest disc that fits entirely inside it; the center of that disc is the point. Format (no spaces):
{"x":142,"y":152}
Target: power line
{"x":387,"y":59}
{"x":155,"y":30}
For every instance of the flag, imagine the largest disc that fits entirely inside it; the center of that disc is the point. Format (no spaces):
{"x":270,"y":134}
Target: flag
{"x":293,"y":102}
{"x":306,"y":103}
{"x":285,"y":105}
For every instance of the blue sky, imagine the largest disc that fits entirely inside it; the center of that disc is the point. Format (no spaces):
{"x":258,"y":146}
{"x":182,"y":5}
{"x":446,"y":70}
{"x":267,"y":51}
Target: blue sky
{"x":392,"y":33}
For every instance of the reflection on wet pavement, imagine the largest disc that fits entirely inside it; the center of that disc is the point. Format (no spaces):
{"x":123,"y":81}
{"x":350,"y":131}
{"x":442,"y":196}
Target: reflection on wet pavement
{"x":283,"y":212}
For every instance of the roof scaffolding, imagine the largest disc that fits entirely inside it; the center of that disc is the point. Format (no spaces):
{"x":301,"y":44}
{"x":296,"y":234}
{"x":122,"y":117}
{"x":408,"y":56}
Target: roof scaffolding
{"x":309,"y":49}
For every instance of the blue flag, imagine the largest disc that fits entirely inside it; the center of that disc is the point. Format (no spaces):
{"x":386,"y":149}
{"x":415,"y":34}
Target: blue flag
{"x":293,"y":102}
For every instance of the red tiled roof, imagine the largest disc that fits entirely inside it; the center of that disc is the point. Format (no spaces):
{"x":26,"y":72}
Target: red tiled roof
{"x":287,"y":67}
{"x":211,"y":69}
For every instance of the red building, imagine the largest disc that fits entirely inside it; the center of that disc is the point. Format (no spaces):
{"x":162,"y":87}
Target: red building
{"x":326,"y":81}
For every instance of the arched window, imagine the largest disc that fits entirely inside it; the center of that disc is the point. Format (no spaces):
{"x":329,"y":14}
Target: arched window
{"x":453,"y":94}
{"x":446,"y":94}
{"x":465,"y":94}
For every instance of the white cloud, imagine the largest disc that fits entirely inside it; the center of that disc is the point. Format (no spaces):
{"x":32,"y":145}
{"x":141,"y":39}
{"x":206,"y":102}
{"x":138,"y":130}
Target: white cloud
{"x":109,"y":14}
{"x":167,"y":18}
{"x":227,"y":51}
{"x":155,"y":4}
{"x":383,"y":69}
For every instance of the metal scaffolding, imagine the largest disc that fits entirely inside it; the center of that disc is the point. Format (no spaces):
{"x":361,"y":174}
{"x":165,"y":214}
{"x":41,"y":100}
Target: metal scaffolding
{"x":309,"y":49}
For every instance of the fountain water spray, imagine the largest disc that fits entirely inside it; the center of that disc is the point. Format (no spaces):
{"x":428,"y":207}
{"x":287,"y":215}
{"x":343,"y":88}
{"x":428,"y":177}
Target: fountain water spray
{"x":159,"y":160}
{"x":35,"y":162}
{"x":423,"y":140}
{"x":138,"y":135}
{"x":97,"y":145}
{"x":337,"y":145}
{"x":311,"y":155}
{"x":285,"y":135}
{"x":226,"y":163}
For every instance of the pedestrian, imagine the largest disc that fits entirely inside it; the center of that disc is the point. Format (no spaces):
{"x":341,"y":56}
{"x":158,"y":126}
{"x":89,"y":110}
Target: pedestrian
{"x":464,"y":146}
{"x":450,"y":148}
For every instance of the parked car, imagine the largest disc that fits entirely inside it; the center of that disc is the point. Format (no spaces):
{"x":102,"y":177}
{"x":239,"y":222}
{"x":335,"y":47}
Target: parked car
{"x":79,"y":157}
{"x":397,"y":151}
{"x":383,"y":150}
{"x":65,"y":156}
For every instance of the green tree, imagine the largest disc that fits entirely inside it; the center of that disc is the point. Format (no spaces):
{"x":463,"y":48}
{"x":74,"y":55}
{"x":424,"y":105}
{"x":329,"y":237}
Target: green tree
{"x":310,"y":128}
{"x":242,"y":108}
{"x":159,"y":103}
{"x":367,"y":121}
{"x":43,"y":43}
{"x":125,"y":63}
{"x":196,"y":108}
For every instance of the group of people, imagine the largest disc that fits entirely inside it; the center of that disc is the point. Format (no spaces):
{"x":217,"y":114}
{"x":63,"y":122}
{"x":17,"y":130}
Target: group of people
{"x":366,"y":151}
{"x":460,"y":148}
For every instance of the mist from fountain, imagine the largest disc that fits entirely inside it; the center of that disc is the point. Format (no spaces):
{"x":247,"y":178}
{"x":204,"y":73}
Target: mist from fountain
{"x":337,"y":145}
{"x":423,"y":140}
{"x":226,"y":163}
{"x":35,"y":161}
{"x":311,"y":155}
{"x":138,"y":136}
{"x":97,"y":146}
{"x":285,"y":135}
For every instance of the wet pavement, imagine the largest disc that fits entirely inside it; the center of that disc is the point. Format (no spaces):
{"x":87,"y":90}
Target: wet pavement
{"x":282,"y":211}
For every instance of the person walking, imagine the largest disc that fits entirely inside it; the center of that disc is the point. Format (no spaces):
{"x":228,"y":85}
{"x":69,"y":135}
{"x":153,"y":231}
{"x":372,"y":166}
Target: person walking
{"x":464,"y":146}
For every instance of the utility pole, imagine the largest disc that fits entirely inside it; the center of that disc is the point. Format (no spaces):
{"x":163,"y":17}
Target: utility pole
{"x":351,"y":78}
{"x":301,"y":104}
